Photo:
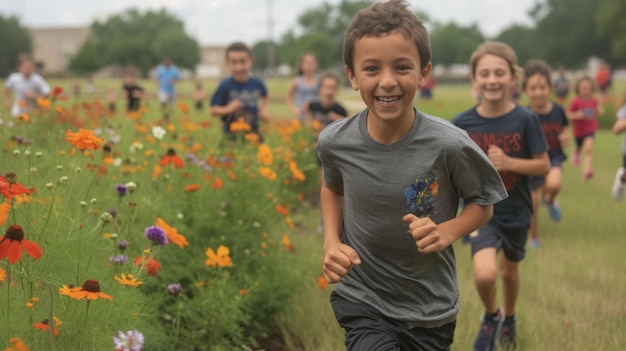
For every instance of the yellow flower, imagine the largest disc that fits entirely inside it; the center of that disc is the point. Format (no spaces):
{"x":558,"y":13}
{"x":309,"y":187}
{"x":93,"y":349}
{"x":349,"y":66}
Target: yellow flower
{"x":287,"y":243}
{"x":295,"y":172}
{"x":221,"y":258}
{"x":128,"y":280}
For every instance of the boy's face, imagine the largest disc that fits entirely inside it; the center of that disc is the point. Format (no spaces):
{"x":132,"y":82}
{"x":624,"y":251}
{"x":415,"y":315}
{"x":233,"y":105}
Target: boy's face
{"x":387,"y":74}
{"x":328,"y":89}
{"x":129,"y":79}
{"x":537,"y":90}
{"x":27,"y":67}
{"x":239,"y":63}
{"x":492,"y":78}
{"x":585,"y":88}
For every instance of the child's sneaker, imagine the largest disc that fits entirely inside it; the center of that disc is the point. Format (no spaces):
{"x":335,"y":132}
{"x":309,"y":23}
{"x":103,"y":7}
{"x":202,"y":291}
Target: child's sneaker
{"x":486,"y":338}
{"x":576,"y":158}
{"x":587,"y":176}
{"x":533,"y":243}
{"x":506,"y":335}
{"x":555,"y":211}
{"x":618,"y":185}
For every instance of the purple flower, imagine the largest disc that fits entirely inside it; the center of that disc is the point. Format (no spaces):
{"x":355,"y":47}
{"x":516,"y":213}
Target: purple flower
{"x":113,"y":212}
{"x":122,"y":245}
{"x":175,"y":289}
{"x":131,"y":341}
{"x":157,"y":235}
{"x":118,"y":259}
{"x":121,"y":189}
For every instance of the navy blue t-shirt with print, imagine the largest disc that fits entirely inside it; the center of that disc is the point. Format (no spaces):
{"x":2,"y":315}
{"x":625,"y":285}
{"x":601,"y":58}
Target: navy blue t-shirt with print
{"x":552,"y":125}
{"x":518,"y":133}
{"x":248,"y":93}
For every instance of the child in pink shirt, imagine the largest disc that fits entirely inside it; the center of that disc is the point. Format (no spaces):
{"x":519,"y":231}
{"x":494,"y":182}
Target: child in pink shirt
{"x":583,"y":111}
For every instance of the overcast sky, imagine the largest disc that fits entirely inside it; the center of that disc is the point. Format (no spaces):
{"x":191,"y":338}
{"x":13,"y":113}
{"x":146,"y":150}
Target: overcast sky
{"x":223,"y":21}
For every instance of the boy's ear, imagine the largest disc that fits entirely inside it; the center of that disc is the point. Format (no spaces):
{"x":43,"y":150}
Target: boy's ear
{"x":424,"y":73}
{"x":351,"y":78}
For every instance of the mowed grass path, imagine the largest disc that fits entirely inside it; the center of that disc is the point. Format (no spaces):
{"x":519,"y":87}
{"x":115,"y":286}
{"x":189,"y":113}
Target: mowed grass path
{"x":573,"y":288}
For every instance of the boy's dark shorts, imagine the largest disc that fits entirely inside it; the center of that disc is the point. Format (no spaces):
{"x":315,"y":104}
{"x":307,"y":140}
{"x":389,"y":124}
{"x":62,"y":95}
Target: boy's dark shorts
{"x":511,"y":241}
{"x":368,"y":330}
{"x":581,"y":140}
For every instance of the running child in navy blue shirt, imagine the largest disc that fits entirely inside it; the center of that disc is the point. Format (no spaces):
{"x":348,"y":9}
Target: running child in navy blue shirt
{"x":238,"y":96}
{"x":538,"y":87}
{"x":513,"y":140}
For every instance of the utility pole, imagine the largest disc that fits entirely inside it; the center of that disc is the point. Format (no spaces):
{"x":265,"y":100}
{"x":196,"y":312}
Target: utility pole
{"x":271,"y":48}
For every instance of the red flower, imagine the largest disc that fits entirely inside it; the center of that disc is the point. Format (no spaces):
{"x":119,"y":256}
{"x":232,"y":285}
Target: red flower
{"x":9,"y":187}
{"x":151,"y":265}
{"x":13,"y":241}
{"x":57,"y":91}
{"x":45,"y":326}
{"x":171,"y":157}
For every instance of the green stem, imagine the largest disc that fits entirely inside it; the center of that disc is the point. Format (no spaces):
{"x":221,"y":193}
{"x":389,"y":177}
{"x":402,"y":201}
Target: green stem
{"x":93,"y":248}
{"x":51,"y":318}
{"x":49,"y":214}
{"x":8,"y":282}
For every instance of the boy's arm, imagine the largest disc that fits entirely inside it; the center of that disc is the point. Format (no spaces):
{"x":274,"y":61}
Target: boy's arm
{"x":338,"y":257}
{"x":564,"y":138}
{"x":539,"y":165}
{"x":600,"y":109}
{"x":290,"y":98}
{"x":263,"y":109}
{"x":430,"y":237}
{"x":619,"y":126}
{"x":7,"y":99}
{"x":223,"y":110}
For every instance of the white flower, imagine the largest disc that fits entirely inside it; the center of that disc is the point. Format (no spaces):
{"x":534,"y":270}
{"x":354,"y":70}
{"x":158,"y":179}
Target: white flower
{"x":117,"y":162}
{"x":158,"y":132}
{"x":131,"y":341}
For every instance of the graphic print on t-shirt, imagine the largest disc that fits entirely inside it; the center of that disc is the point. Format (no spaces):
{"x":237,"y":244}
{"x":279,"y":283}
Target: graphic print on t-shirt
{"x":421,"y":197}
{"x":509,"y":143}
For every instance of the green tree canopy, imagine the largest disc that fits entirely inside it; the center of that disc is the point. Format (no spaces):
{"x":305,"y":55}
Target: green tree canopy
{"x":137,"y":39}
{"x":14,"y":40}
{"x":611,"y":20}
{"x":522,"y":39}
{"x":452,"y":43}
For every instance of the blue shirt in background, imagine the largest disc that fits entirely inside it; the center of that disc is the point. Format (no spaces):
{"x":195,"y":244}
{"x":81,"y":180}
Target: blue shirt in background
{"x":167,"y":75}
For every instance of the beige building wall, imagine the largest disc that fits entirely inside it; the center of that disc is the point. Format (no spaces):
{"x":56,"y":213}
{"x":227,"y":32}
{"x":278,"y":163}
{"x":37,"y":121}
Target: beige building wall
{"x":54,"y":47}
{"x":212,"y":62}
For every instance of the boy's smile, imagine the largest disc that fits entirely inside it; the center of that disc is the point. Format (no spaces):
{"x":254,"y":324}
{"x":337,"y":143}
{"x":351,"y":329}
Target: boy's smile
{"x":387,"y":74}
{"x":493,"y":78}
{"x":538,"y":91}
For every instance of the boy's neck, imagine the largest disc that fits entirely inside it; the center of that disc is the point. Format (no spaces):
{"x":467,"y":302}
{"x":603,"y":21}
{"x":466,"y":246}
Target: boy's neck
{"x":388,"y":133}
{"x":242,"y":79}
{"x":495,"y":109}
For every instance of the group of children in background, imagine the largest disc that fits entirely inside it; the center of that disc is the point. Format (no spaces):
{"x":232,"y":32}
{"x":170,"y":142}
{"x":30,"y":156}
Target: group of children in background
{"x":507,"y":162}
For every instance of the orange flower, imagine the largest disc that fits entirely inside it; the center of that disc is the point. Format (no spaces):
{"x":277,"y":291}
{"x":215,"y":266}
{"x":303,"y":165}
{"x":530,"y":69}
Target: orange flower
{"x":172,"y":234}
{"x":217,"y":183}
{"x":222,"y":258}
{"x":243,"y":292}
{"x":171,"y":157}
{"x":10,"y":187}
{"x":66,"y":290}
{"x":290,"y":223}
{"x":149,"y":264}
{"x":43,"y":325}
{"x":240,"y":125}
{"x":12,"y":242}
{"x":264,"y":155}
{"x":43,"y":102}
{"x":156,"y":171}
{"x":16,"y":345}
{"x":183,"y":107}
{"x":128,"y":280}
{"x":295,"y":172}
{"x":287,"y":243}
{"x":283,"y":210}
{"x":322,"y":282}
{"x":84,"y":139}
{"x":192,"y":187}
{"x":267,"y":173}
{"x":90,"y":290}
{"x":5,"y":207}
{"x":3,"y":274}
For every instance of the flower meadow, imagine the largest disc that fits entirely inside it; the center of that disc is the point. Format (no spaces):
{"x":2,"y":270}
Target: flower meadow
{"x":146,"y":231}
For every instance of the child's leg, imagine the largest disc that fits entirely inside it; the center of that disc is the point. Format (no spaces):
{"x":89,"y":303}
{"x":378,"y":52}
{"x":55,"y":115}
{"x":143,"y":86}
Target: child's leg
{"x":553,"y":184}
{"x":510,"y":285}
{"x":485,"y":275}
{"x":587,"y":151}
{"x":533,"y":232}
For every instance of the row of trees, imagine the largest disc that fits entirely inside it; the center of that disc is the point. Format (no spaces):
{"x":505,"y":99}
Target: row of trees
{"x":564,"y":32}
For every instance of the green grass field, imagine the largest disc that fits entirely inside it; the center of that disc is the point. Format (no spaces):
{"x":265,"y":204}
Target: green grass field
{"x":573,"y":288}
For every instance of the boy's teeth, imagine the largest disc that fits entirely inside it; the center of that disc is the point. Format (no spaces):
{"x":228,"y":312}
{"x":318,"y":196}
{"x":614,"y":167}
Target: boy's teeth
{"x":388,"y":99}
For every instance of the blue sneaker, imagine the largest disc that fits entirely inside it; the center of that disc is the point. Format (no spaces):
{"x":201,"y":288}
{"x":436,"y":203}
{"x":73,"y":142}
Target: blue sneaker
{"x":486,"y":338}
{"x":507,"y":334}
{"x":533,"y":244}
{"x":555,"y":211}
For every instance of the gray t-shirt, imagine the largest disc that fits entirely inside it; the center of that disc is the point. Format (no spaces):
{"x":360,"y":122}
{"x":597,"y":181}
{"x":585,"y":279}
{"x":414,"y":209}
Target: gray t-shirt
{"x":426,"y":172}
{"x":26,"y":90}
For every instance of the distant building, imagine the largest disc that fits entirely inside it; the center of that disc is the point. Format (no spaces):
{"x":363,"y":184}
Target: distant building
{"x":212,"y":62}
{"x":54,"y":47}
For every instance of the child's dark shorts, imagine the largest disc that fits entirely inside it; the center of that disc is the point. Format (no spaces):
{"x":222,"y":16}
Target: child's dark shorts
{"x":511,"y":241}
{"x":368,"y":330}
{"x":581,"y":140}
